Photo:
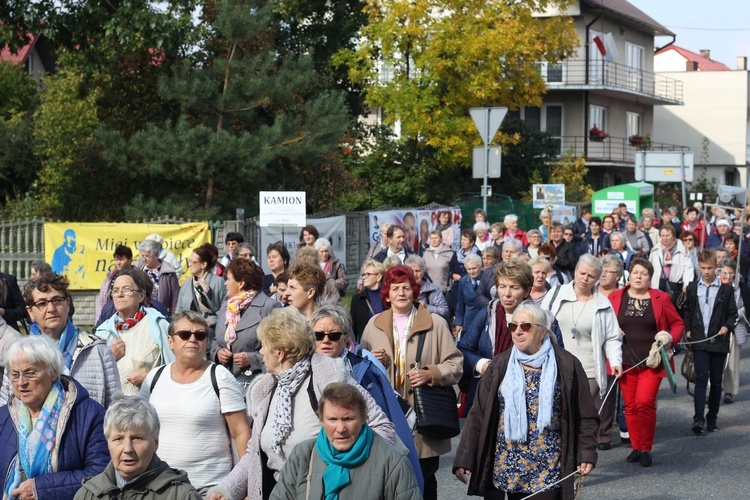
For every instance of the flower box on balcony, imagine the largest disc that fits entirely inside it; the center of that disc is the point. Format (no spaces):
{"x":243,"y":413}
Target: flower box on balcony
{"x":597,"y":135}
{"x":637,"y":140}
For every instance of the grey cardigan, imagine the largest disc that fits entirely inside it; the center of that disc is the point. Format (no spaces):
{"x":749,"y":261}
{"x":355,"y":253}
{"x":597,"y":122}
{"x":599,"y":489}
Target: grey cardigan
{"x":247,"y":337}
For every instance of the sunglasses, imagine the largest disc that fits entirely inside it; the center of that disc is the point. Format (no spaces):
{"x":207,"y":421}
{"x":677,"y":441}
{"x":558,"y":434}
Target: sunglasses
{"x":185,"y":335}
{"x":332,"y":336}
{"x":525,"y":327}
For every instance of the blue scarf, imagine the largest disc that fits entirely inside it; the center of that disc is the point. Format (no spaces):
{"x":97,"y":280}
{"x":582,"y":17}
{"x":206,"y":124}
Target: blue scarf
{"x":336,"y":476}
{"x":36,"y":442}
{"x":67,"y":344}
{"x":514,"y":390}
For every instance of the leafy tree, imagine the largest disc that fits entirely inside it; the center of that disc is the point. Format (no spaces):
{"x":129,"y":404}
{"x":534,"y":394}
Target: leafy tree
{"x":247,"y":118}
{"x":526,"y":153}
{"x":572,"y":171}
{"x":18,"y":100}
{"x":426,"y":62}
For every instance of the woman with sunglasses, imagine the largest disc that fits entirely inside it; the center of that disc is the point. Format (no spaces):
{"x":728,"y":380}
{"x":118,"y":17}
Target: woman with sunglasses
{"x":201,"y":406}
{"x":283,"y":404}
{"x":136,"y":333}
{"x":204,"y":292}
{"x":393,"y":337}
{"x":367,"y":302}
{"x":689,"y":240}
{"x":533,"y":422}
{"x":236,"y":345}
{"x":332,"y":327}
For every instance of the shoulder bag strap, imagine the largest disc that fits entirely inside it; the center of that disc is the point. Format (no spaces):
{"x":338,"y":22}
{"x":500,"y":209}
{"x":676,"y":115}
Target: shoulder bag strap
{"x":156,"y":378}
{"x":311,"y":393}
{"x":420,"y":346}
{"x":309,"y":474}
{"x":214,"y":382}
{"x":369,"y":306}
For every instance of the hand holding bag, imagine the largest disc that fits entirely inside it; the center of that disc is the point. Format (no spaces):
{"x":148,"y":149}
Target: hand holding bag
{"x":437,"y":416}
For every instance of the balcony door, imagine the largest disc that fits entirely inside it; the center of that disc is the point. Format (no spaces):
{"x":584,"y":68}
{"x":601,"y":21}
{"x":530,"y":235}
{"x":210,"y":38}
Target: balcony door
{"x":548,"y":119}
{"x":599,"y":69}
{"x":636,"y":56}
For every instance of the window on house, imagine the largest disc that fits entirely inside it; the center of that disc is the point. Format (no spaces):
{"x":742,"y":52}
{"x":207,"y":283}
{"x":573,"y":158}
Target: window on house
{"x":598,"y":117}
{"x":551,"y":73}
{"x":548,"y":119}
{"x":533,"y":118}
{"x":633,"y":124}
{"x":636,"y":57}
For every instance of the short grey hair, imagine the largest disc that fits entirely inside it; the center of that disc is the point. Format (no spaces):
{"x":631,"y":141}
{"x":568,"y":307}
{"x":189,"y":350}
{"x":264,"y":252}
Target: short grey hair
{"x":513,"y":243}
{"x":151,"y":246}
{"x":618,"y":234}
{"x":510,"y":218}
{"x":322,"y":244}
{"x":481,"y":225}
{"x":336,"y":313}
{"x":131,"y":413}
{"x":592,"y":261}
{"x":473,"y":258}
{"x":384,"y":227}
{"x":535,"y":312}
{"x":37,"y":350}
{"x":540,"y":260}
{"x":415,"y":259}
{"x":393,"y":260}
{"x":531,"y":232}
{"x":610,"y":260}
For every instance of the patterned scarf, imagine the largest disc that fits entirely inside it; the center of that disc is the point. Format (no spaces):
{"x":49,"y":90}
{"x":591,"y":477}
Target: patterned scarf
{"x":336,"y":476}
{"x":667,"y":265}
{"x":513,"y":389}
{"x":399,"y":351}
{"x":127,"y":324}
{"x":36,"y":442}
{"x":288,"y":382}
{"x":235,"y":306}
{"x":68,"y":342}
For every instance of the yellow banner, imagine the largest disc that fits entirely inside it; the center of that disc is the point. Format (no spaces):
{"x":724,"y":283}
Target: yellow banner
{"x":84,"y":251}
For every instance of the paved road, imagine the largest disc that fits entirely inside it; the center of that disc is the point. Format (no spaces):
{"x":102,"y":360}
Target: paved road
{"x":712,"y":466}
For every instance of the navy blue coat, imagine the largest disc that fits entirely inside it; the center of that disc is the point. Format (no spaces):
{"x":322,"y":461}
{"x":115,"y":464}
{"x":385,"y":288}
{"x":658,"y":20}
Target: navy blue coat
{"x":467,"y":306}
{"x":83,"y":448}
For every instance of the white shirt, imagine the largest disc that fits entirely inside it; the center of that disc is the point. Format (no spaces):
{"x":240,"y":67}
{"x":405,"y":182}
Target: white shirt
{"x":194,"y":435}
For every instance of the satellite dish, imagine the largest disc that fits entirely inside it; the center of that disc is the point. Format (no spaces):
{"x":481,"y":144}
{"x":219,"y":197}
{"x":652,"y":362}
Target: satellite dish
{"x":732,"y":196}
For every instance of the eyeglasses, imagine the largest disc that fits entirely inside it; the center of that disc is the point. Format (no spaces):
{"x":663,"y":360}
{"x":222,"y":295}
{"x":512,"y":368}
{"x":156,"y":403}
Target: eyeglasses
{"x":367,"y":275}
{"x":185,"y":335}
{"x":332,"y":336}
{"x":688,"y":239}
{"x":55,"y":301}
{"x":28,"y":375}
{"x":126,"y":290}
{"x":526,"y":327}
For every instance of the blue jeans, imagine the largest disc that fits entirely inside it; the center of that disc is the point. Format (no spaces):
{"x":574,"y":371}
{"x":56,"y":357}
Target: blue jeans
{"x":708,"y":366}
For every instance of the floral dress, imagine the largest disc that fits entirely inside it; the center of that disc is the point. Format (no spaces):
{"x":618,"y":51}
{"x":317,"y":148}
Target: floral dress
{"x":526,"y":467}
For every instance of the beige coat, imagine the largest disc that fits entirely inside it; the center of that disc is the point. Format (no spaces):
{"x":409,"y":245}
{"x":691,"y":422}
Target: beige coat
{"x":439,"y":356}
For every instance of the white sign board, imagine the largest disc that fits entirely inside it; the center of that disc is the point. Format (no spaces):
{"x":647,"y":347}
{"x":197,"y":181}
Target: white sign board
{"x":545,"y":195}
{"x":495,"y":161}
{"x":282,"y":208}
{"x":663,"y":166}
{"x":331,"y":228}
{"x":565,"y":215}
{"x":488,"y":121}
{"x":608,"y":205}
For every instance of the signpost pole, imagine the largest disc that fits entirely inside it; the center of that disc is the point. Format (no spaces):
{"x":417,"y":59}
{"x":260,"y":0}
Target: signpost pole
{"x":682,"y":177}
{"x":486,"y":161}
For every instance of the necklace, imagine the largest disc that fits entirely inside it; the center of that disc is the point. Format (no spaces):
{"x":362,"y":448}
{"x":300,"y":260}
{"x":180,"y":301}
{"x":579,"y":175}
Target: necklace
{"x":195,"y":377}
{"x":575,"y":331}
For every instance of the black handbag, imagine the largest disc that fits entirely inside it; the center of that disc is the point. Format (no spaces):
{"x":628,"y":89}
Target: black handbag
{"x":437,"y":415}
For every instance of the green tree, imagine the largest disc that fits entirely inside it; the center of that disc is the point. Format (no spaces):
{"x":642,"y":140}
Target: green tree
{"x":18,"y":100}
{"x":571,"y":171}
{"x":526,"y":153}
{"x":426,"y":62}
{"x":248,"y":119}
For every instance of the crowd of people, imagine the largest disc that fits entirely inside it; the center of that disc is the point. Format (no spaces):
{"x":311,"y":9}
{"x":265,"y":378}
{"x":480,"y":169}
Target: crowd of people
{"x":266,"y":386}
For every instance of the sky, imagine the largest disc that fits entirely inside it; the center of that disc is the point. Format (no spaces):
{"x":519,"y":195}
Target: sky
{"x":722,"y":26}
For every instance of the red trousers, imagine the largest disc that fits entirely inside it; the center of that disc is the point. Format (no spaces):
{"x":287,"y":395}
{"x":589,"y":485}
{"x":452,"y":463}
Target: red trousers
{"x":639,"y":388}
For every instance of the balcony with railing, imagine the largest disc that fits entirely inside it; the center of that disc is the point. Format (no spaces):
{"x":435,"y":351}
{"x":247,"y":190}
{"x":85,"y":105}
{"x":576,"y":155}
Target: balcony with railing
{"x":613,"y":150}
{"x":613,"y":79}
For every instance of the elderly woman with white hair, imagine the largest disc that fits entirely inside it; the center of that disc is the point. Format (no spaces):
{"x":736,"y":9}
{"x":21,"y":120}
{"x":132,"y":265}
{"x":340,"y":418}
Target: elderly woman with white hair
{"x":512,"y":232}
{"x":283,"y":404}
{"x":618,"y":248}
{"x":333,"y":268}
{"x":536,"y":240}
{"x":482,"y":230}
{"x":512,"y":249}
{"x":429,"y":294}
{"x":591,"y":332}
{"x":162,"y":274}
{"x":50,"y":431}
{"x":533,"y":423}
{"x":135,"y":472}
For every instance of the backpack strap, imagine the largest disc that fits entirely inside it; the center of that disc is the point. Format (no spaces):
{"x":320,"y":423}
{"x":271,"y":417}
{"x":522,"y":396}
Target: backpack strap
{"x":156,"y":378}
